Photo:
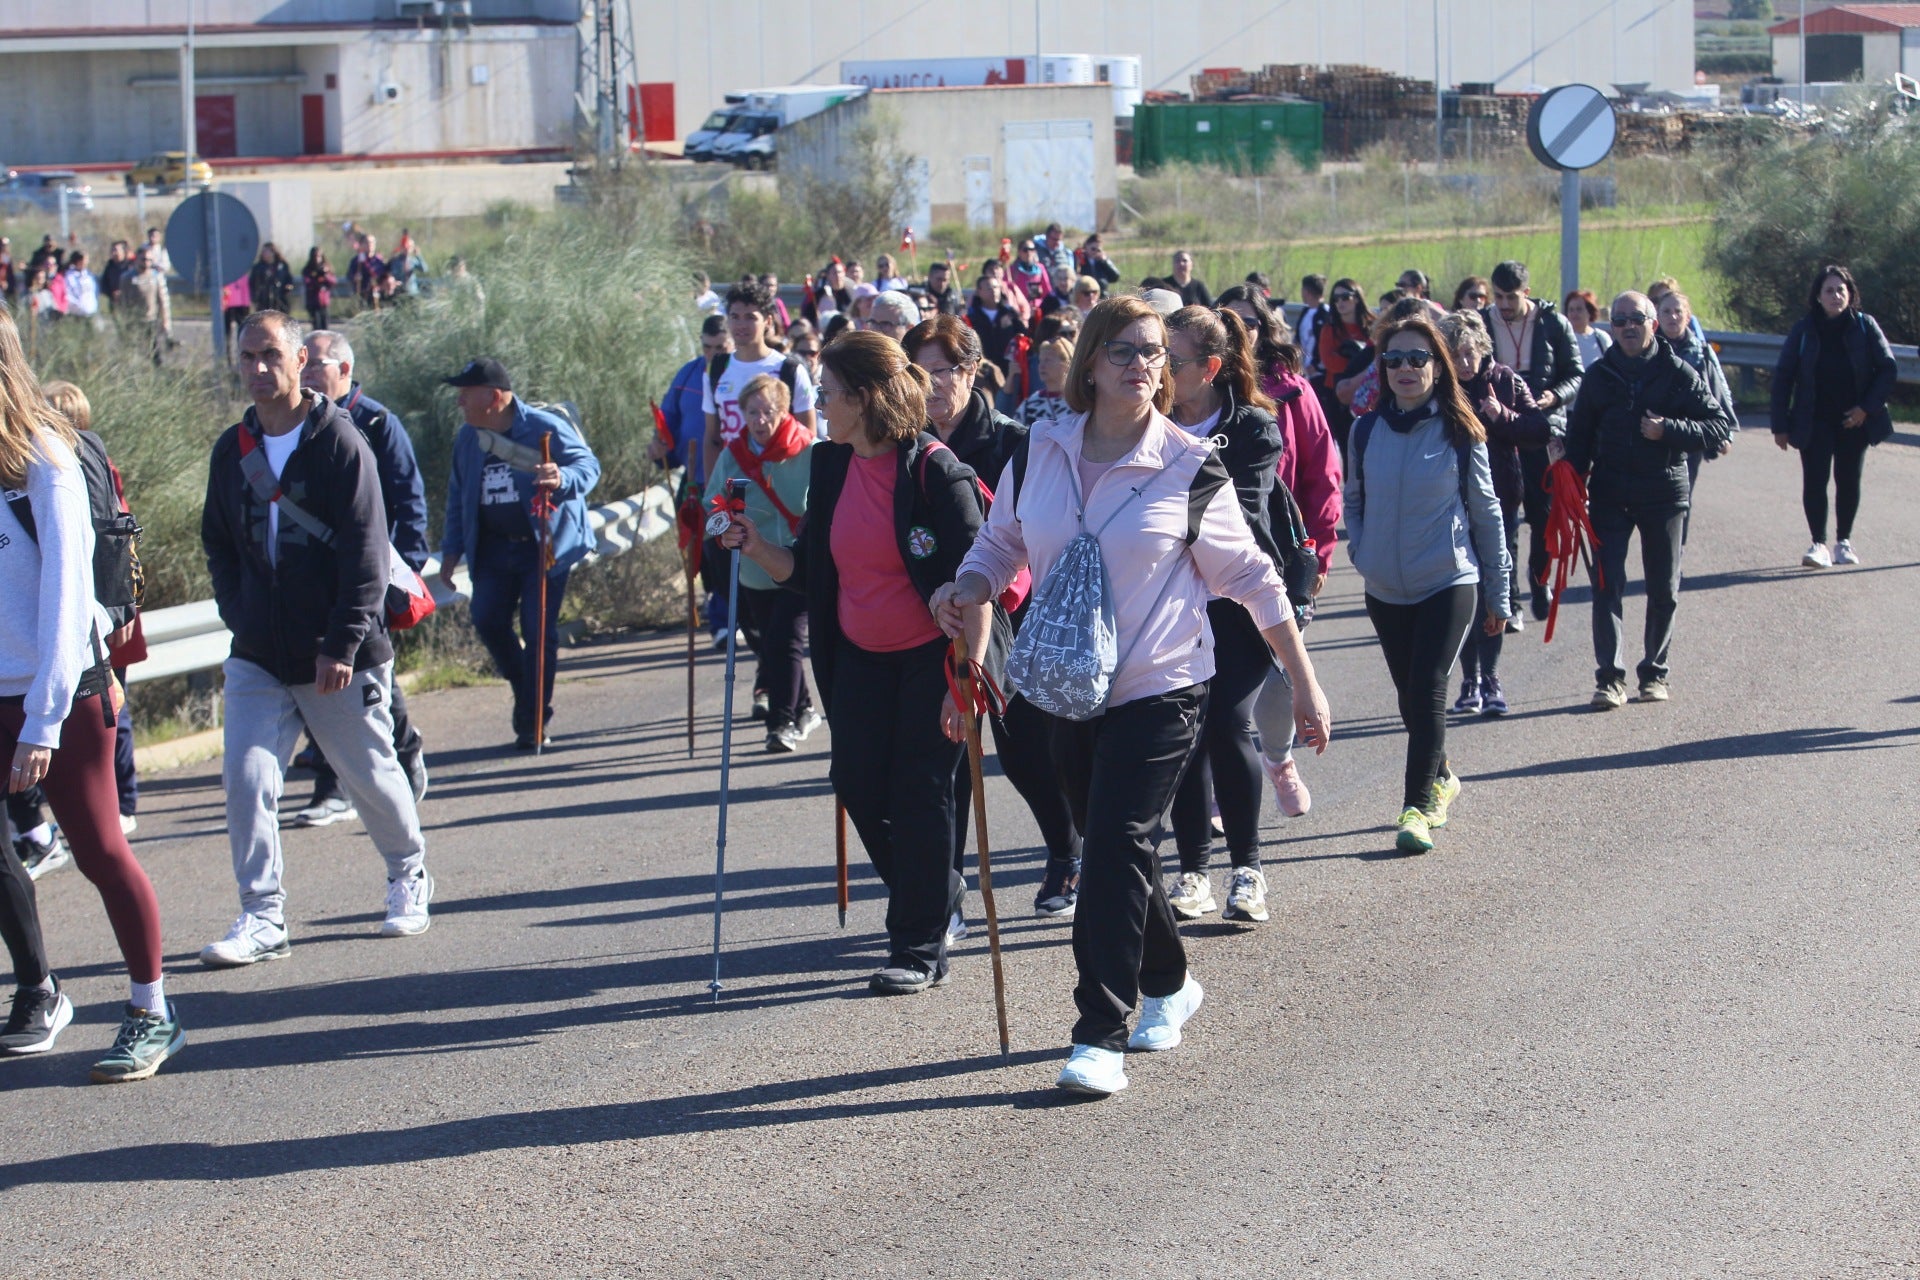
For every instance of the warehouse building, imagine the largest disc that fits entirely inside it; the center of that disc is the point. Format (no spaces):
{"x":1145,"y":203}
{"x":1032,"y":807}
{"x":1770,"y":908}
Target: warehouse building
{"x":1869,"y":42}
{"x":98,"y":81}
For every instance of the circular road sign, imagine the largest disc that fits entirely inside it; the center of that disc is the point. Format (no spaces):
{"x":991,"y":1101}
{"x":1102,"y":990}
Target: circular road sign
{"x":1571,"y":127}
{"x":195,"y":222}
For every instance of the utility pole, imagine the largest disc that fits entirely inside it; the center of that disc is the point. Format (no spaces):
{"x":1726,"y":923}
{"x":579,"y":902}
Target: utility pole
{"x":1803,"y":58}
{"x":1439,"y":102}
{"x":186,"y":98}
{"x":607,"y":69}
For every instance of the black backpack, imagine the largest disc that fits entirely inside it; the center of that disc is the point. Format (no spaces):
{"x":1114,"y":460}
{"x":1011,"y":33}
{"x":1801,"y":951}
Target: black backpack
{"x":119,"y":582}
{"x":789,"y":372}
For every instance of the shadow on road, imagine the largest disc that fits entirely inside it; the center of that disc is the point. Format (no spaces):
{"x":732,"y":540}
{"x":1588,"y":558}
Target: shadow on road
{"x":1740,"y":746}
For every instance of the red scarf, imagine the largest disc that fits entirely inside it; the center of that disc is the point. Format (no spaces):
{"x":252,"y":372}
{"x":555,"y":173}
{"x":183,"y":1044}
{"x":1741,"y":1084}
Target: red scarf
{"x":788,"y":439}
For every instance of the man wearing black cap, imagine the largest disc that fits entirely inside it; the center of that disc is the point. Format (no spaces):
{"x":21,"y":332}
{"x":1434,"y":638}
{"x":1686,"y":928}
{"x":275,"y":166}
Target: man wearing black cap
{"x":491,"y":519}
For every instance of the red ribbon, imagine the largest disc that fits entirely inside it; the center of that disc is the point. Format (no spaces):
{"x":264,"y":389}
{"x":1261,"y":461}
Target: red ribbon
{"x":1569,"y":534}
{"x":986,"y":694}
{"x":736,"y":506}
{"x":692,"y":529}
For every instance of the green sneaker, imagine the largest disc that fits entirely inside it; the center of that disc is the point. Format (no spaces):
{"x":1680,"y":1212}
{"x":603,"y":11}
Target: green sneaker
{"x":1414,"y":836}
{"x":1446,"y":789}
{"x":143,"y":1044}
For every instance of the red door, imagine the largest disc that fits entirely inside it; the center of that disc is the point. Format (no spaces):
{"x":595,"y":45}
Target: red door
{"x":213,"y":126}
{"x":656,"y":111}
{"x":313,"y":124}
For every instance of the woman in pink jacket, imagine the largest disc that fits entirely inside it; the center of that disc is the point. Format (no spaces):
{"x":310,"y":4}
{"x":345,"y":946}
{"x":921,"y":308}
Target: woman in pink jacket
{"x":1310,"y":468}
{"x":1181,"y":541}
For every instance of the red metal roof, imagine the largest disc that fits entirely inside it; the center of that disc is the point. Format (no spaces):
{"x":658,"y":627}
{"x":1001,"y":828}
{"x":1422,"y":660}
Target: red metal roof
{"x":1853,"y":19}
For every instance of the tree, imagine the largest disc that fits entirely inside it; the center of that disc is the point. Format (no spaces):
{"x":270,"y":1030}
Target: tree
{"x":1750,"y":10}
{"x":1844,"y":194}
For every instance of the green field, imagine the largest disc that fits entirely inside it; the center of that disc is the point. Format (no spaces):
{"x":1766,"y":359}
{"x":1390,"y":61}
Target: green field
{"x":1612,"y":259}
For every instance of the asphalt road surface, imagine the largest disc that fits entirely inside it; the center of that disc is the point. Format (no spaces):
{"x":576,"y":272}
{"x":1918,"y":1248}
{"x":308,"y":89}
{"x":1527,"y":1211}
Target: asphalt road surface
{"x":1649,"y":1010}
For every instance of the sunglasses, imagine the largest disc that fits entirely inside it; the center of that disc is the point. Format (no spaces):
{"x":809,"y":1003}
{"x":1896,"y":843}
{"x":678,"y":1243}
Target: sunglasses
{"x":1344,"y":295}
{"x":1411,"y":359}
{"x":1122,"y":354}
{"x":1630,"y":319}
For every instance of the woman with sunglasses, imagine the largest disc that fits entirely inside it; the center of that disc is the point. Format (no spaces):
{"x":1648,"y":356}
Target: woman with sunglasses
{"x":1310,"y":469}
{"x":1473,"y":294}
{"x":1342,"y":339}
{"x":888,"y":519}
{"x":1172,"y":537}
{"x":964,"y":419}
{"x":1424,"y":531}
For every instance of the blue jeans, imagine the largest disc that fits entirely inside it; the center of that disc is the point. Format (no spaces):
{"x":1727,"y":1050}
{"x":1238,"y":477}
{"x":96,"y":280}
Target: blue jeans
{"x":506,"y":581}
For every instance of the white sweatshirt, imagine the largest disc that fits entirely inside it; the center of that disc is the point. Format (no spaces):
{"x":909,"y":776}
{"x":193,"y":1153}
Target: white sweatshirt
{"x":47,"y":610}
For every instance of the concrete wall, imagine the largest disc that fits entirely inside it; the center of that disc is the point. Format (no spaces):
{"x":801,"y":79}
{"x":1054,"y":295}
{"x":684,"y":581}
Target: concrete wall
{"x":526,"y":100}
{"x":945,"y":126}
{"x":42,"y":15}
{"x":707,"y":50}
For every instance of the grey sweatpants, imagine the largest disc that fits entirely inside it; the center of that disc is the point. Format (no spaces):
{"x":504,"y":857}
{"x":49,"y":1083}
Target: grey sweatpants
{"x":354,"y":728}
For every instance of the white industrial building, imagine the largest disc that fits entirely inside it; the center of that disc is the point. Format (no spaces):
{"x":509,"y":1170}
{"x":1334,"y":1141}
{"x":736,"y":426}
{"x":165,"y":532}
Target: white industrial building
{"x":97,"y":80}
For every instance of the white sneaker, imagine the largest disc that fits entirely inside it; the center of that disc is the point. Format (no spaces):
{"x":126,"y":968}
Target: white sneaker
{"x":1843,"y":552}
{"x":956,"y":928}
{"x":809,"y":721}
{"x":1161,"y":1018}
{"x":1096,"y":1072}
{"x":407,"y":907}
{"x":1192,"y":895}
{"x":128,"y":824}
{"x":251,"y":940}
{"x":1817,"y":557}
{"x":1247,"y":895}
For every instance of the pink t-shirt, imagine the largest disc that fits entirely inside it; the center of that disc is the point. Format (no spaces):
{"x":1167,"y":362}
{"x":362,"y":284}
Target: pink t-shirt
{"x":879,"y":608}
{"x":1090,"y":473}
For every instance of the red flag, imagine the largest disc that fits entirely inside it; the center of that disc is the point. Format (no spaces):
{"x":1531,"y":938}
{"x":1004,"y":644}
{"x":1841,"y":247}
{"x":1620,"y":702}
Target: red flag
{"x":1006,"y":249}
{"x":660,"y":426}
{"x":906,"y":241}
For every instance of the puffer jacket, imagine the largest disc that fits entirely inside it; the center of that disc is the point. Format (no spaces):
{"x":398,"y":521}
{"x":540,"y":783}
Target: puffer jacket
{"x":1408,"y":533}
{"x":1874,"y":371}
{"x":1604,"y":441}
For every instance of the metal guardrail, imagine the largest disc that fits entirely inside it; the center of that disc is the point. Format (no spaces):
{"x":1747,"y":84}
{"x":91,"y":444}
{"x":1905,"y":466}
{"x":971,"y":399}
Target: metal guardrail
{"x":188,"y":638}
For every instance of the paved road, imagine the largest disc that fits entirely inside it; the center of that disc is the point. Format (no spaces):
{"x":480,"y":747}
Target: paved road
{"x":1649,"y":1010}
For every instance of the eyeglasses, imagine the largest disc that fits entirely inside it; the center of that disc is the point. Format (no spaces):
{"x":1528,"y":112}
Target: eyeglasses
{"x":951,"y":371}
{"x":1630,"y":319}
{"x":1477,"y":295}
{"x":1412,"y":359}
{"x":1176,"y":363}
{"x":1122,"y":354}
{"x":822,"y":397}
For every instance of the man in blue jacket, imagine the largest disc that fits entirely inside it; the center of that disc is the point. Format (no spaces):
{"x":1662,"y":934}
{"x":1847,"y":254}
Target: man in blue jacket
{"x":497,"y":469}
{"x":330,"y":371}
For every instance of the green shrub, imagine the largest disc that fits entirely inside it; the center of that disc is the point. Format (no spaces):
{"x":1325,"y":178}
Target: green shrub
{"x":1843,"y":195}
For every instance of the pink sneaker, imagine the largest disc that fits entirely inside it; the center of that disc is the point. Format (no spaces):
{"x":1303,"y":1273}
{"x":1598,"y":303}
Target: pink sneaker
{"x":1288,"y":790}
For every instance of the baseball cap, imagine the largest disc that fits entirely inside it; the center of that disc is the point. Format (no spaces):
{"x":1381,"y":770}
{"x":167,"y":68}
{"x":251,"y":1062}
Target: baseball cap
{"x":485,"y":372}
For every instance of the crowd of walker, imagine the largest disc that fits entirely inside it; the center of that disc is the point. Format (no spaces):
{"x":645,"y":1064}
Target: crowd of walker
{"x":1120,"y":504}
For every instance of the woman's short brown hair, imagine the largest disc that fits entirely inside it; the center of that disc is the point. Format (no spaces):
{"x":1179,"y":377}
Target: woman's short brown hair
{"x":1103,"y":322}
{"x":70,"y":402}
{"x":770,"y":386}
{"x":892,"y":389}
{"x":955,"y":338}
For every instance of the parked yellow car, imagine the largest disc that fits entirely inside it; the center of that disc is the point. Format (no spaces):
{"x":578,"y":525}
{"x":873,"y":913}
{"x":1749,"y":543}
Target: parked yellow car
{"x":165,"y":170}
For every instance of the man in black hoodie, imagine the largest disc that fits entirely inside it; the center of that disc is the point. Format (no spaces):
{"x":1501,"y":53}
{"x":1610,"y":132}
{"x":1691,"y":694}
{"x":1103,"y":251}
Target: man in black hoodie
{"x":295,"y":533}
{"x":1642,"y":410}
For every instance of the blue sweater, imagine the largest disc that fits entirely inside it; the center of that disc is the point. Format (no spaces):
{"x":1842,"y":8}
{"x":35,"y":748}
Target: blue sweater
{"x":579,"y":472}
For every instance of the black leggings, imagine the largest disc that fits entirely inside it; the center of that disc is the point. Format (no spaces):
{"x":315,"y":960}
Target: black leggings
{"x":1419,"y":642}
{"x":1843,"y":454}
{"x":779,"y":625}
{"x":1480,"y":654}
{"x":1232,"y":768}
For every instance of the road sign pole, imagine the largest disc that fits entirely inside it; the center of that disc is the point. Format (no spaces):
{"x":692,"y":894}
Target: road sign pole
{"x":216,"y":285}
{"x":1569,"y":231}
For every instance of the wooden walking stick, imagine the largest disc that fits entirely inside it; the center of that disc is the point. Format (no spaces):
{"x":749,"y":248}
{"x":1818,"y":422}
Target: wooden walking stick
{"x":840,"y":858}
{"x":543,"y":508}
{"x":972,"y":688}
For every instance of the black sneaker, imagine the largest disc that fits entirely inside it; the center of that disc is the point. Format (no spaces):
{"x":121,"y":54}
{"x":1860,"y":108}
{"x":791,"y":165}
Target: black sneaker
{"x":37,"y":1019}
{"x":907,"y":979}
{"x":1542,"y":598}
{"x":327,"y":807}
{"x":1059,"y":891}
{"x":762,"y":704}
{"x":524,"y":742}
{"x":40,"y":858}
{"x":415,"y":763}
{"x":783,"y":738}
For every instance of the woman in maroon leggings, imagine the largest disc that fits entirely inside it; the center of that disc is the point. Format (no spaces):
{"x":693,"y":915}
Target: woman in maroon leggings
{"x":57,"y":711}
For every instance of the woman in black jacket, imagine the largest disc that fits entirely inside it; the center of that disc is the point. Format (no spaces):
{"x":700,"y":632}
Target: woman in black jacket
{"x":1513,"y":421}
{"x":868,"y":562}
{"x":1216,"y":394}
{"x":1830,"y":394}
{"x":965,"y":420}
{"x":270,"y":282}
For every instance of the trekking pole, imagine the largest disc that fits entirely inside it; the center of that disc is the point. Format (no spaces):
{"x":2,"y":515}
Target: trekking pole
{"x":690,"y":529}
{"x":544,"y":507}
{"x":965,"y":678}
{"x":718,"y":523}
{"x":840,"y":858}
{"x":693,"y":624}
